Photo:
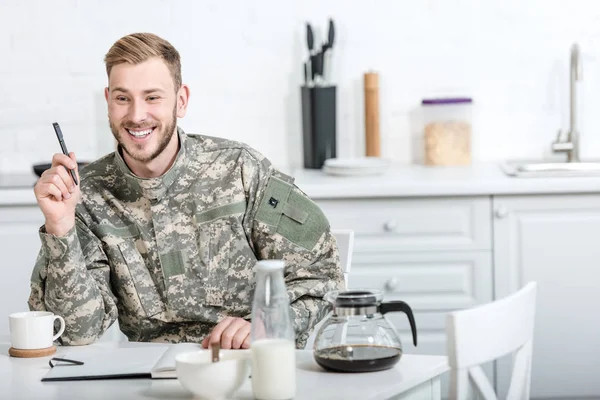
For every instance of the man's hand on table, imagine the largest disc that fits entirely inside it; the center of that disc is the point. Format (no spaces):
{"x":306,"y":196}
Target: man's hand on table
{"x":231,"y":333}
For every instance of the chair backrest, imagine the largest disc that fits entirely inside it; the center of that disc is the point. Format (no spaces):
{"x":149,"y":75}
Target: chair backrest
{"x":113,"y":334}
{"x":487,"y":332}
{"x":345,"y":242}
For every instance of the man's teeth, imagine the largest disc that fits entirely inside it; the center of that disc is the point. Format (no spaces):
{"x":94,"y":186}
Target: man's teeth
{"x":140,"y":133}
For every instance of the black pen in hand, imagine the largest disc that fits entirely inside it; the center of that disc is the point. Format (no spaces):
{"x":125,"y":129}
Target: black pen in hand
{"x":63,"y":146}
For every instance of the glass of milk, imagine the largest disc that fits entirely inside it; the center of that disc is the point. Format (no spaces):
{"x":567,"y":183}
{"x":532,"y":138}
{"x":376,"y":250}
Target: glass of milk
{"x":273,"y":339}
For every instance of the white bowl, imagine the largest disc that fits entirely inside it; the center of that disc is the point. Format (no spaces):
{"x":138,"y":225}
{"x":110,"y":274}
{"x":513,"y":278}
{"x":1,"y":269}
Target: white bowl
{"x":213,"y":380}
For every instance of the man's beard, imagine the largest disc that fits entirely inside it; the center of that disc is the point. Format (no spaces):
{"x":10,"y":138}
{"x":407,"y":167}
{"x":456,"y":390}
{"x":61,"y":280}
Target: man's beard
{"x":164,"y":139}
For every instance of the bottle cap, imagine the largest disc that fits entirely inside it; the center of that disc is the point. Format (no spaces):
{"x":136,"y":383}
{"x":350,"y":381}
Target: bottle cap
{"x":270,"y":265}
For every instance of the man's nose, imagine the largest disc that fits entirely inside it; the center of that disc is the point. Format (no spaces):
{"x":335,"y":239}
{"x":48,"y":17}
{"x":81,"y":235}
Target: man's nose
{"x":137,"y":112}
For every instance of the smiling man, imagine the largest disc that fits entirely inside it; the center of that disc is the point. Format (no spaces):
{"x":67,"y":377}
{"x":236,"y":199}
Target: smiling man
{"x":163,"y":234}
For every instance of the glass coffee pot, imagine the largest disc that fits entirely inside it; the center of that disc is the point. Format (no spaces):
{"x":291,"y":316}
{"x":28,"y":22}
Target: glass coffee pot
{"x":357,"y":337}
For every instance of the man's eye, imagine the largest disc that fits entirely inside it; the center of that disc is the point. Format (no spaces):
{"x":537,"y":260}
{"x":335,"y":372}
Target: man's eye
{"x":121,"y":98}
{"x":153,"y":98}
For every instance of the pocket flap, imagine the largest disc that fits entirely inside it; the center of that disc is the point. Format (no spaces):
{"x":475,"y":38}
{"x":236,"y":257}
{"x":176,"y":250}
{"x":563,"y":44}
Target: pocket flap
{"x":127,"y":231}
{"x":219,"y":212}
{"x":295,"y":213}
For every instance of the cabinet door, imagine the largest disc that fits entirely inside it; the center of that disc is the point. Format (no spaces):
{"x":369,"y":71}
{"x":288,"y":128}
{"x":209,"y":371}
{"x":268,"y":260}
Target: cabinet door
{"x":554,"y":240}
{"x":19,"y":246}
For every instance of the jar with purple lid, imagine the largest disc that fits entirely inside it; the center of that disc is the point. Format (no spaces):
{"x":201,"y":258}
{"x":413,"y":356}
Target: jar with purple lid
{"x":447,"y":130}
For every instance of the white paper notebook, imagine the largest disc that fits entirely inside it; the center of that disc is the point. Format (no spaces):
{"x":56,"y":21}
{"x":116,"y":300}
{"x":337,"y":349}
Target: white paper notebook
{"x":165,"y":366}
{"x":118,"y":363}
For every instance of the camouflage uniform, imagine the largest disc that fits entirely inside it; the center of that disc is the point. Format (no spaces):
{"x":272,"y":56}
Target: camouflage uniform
{"x":172,"y":256}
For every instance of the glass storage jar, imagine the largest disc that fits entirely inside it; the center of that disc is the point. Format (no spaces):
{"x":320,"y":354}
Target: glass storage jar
{"x":447,"y":130}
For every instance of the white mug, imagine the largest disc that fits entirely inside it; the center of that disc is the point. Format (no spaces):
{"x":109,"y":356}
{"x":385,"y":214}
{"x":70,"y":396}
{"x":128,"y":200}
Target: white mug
{"x":34,"y":329}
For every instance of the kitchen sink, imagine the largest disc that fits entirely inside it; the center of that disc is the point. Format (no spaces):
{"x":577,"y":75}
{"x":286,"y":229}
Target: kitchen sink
{"x":541,"y":169}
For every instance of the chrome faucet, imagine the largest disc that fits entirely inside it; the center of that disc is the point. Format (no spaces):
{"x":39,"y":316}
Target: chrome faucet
{"x":571,"y":144}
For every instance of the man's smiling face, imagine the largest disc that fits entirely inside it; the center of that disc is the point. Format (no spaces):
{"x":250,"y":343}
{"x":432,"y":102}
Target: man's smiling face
{"x":142,"y":108}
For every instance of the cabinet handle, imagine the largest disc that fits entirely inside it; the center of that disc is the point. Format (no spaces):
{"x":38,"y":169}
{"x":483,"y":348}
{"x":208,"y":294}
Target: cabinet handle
{"x":501,"y":212}
{"x":391,"y":284}
{"x":390,"y":226}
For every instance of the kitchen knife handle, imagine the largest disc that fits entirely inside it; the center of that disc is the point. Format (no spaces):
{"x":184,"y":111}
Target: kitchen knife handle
{"x":306,"y":74}
{"x":318,"y":65}
{"x":310,"y":39}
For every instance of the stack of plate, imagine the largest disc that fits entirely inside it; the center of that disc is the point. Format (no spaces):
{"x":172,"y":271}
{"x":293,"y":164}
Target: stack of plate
{"x":355,"y":166}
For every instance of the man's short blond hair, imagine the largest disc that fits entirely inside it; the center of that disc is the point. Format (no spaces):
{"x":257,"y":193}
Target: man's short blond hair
{"x":139,"y":47}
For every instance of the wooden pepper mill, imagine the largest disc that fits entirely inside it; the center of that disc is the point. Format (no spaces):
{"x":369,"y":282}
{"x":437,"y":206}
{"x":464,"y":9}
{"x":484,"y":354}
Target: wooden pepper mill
{"x":372,"y":137}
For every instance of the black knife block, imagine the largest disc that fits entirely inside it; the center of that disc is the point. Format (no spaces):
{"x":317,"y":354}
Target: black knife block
{"x":318,"y":125}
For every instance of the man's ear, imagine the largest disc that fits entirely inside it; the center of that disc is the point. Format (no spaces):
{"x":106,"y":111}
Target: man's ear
{"x":183,"y":96}
{"x":106,"y":94}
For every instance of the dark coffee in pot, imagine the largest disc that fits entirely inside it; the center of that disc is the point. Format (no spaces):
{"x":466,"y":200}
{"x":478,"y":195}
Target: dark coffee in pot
{"x":357,"y":358}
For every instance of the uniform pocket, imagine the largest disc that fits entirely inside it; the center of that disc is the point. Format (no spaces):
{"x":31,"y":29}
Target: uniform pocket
{"x":131,"y":280}
{"x":225,"y":255}
{"x":144,"y":284}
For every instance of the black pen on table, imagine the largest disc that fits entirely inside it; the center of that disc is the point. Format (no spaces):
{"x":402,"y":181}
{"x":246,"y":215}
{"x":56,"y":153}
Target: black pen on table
{"x":63,"y":146}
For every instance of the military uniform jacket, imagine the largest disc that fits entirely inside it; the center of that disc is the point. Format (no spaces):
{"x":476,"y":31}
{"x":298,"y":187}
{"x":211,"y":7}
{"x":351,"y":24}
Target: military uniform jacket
{"x":172,"y":256}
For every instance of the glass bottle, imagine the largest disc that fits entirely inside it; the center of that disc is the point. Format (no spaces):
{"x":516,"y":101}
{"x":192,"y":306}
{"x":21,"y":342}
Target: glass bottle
{"x":273,"y":344}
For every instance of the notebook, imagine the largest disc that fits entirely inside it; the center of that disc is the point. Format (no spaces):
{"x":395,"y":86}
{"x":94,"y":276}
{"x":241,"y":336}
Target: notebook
{"x":155,"y":362}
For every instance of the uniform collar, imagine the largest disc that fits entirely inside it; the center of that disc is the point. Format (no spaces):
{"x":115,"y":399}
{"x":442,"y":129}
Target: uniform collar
{"x":155,"y":188}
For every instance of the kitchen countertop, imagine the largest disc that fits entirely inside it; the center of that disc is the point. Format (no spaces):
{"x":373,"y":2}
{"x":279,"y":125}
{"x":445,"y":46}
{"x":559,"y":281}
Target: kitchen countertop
{"x":419,"y":180}
{"x":17,"y":189}
{"x":398,"y":181}
{"x":17,"y":181}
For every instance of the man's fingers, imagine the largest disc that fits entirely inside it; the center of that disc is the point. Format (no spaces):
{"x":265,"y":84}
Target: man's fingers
{"x":61,"y":159}
{"x":240,"y":337}
{"x":57,"y":179}
{"x":229,"y":335}
{"x":66,"y":177}
{"x":215,"y":335}
{"x":72,"y":155}
{"x":61,"y":164}
{"x":48,"y":189}
{"x":246,"y":343}
{"x":52,"y":184}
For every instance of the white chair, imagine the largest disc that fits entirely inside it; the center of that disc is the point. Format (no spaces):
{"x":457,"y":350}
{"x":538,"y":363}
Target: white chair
{"x":345,"y":243}
{"x":487,"y":332}
{"x":113,"y":334}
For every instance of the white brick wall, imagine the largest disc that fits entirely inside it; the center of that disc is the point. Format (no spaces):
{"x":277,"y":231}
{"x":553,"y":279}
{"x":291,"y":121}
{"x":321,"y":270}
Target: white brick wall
{"x":243,"y":62}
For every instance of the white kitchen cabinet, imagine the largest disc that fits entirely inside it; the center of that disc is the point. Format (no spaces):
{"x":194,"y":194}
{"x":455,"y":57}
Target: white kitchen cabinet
{"x":432,"y":284}
{"x":19,"y":246}
{"x":413,"y":224}
{"x":554,"y":240}
{"x":433,"y":253}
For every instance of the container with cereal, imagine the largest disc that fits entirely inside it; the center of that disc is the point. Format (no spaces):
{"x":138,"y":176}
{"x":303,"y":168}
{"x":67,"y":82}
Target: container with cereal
{"x":447,"y":131}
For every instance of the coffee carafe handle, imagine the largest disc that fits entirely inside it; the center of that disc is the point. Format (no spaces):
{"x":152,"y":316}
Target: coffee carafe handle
{"x":395,"y":306}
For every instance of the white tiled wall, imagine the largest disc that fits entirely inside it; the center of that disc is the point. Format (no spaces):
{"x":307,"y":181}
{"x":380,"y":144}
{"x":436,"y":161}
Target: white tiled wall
{"x":243,"y":61}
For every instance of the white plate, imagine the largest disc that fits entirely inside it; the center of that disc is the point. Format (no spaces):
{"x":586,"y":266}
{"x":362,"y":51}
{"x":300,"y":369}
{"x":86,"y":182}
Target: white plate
{"x":355,"y":166}
{"x":350,"y":172}
{"x":357,"y":163}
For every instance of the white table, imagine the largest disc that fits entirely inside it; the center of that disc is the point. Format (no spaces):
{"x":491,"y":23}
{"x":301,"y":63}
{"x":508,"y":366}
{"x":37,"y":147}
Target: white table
{"x":414,"y":377}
